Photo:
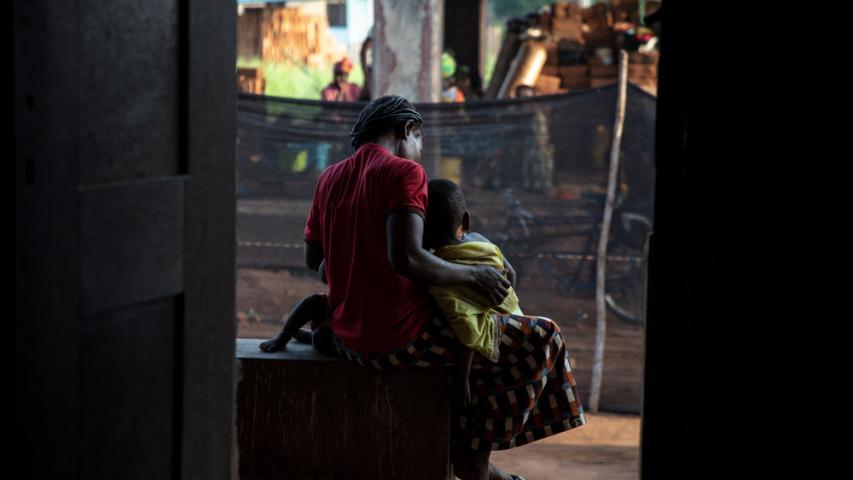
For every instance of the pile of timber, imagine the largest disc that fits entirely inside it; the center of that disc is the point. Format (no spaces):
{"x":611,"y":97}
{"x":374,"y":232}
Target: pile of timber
{"x":298,"y":34}
{"x":582,"y":46}
{"x":251,"y":80}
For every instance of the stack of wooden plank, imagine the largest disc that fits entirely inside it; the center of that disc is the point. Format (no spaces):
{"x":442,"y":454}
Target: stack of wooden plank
{"x":602,"y":75}
{"x":598,"y":23}
{"x":296,"y":34}
{"x":582,"y":47}
{"x":249,"y":33}
{"x":251,"y":80}
{"x":629,"y":10}
{"x":643,"y":70}
{"x":567,"y":22}
{"x":548,"y":85}
{"x":625,"y":11}
{"x":574,"y":76}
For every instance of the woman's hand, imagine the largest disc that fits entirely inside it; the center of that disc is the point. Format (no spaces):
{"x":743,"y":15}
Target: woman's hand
{"x":405,"y":233}
{"x":491,"y":283}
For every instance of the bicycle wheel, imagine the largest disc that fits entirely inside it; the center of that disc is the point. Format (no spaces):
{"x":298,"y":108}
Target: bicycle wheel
{"x":625,"y":284}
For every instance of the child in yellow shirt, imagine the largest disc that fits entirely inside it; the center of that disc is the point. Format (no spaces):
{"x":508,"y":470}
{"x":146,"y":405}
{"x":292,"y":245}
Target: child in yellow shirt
{"x":471,"y":319}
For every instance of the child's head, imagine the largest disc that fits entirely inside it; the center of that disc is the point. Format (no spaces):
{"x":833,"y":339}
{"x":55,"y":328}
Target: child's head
{"x":447,"y":214}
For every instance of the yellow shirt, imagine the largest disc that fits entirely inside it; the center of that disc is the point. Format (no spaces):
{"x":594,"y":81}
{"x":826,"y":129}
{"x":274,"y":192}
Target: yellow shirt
{"x":470,"y":318}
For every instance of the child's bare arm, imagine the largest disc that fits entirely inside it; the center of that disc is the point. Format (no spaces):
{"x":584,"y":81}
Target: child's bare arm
{"x":313,"y":255}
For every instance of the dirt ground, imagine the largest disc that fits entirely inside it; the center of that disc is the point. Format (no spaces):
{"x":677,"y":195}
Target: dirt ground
{"x":606,"y":448}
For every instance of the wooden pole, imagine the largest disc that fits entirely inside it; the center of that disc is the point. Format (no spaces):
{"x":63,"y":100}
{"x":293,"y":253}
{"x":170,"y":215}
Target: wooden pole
{"x":601,"y":259}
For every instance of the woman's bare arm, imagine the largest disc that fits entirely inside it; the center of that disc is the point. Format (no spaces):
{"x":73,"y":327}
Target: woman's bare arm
{"x":404,"y":232}
{"x":313,"y":255}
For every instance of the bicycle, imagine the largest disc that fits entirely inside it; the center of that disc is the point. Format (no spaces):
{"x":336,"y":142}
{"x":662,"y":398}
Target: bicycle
{"x":574,"y":271}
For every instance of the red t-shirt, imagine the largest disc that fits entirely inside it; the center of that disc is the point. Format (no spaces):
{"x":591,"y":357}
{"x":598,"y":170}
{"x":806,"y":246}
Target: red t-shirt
{"x":374,"y":309}
{"x":348,"y":92}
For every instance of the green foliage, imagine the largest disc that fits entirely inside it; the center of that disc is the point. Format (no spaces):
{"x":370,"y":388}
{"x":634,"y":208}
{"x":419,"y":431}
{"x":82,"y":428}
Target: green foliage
{"x":297,"y":80}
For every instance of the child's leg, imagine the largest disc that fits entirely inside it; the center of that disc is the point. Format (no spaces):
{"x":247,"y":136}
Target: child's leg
{"x":312,"y":307}
{"x":321,"y":338}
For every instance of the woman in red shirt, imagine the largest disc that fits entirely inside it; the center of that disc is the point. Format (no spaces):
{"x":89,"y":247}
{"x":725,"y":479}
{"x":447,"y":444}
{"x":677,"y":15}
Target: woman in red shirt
{"x":366,"y":222}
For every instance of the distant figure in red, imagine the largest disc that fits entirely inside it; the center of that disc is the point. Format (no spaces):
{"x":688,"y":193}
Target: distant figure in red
{"x":340,"y":90}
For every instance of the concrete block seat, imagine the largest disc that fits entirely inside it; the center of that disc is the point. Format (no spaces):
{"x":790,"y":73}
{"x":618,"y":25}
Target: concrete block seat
{"x":304,"y":415}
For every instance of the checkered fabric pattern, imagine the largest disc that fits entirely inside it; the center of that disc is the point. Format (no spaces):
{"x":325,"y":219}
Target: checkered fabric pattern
{"x":527,"y":395}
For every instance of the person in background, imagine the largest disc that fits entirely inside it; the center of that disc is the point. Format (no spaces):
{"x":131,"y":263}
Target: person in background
{"x":450,"y":92}
{"x":537,"y":158}
{"x":366,"y":57}
{"x":464,"y":82}
{"x":340,"y":90}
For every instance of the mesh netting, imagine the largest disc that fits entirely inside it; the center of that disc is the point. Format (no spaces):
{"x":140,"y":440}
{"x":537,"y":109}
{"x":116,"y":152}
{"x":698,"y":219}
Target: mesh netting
{"x":533,"y":170}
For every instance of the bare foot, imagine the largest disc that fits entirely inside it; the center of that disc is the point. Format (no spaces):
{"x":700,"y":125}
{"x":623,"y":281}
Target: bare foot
{"x":274,"y":344}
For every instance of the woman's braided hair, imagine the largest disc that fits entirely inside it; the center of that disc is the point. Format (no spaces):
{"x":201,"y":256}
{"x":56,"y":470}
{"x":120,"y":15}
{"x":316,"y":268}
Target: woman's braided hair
{"x":380,"y":115}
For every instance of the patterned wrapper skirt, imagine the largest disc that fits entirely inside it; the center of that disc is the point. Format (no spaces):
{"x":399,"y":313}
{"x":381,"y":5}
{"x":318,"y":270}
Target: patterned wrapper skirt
{"x":527,"y":395}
